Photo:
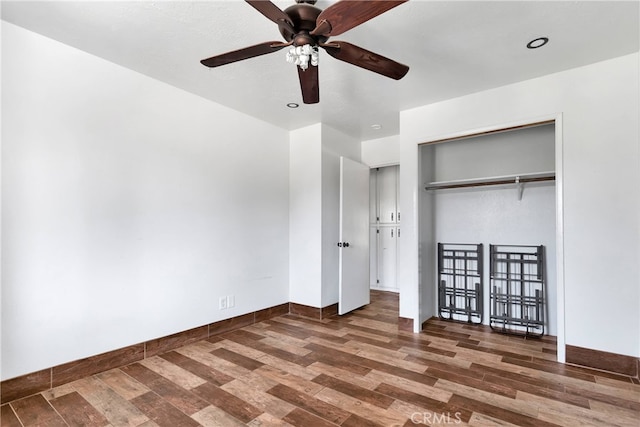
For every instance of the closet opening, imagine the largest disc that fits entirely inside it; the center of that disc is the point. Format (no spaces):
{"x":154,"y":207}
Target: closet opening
{"x":496,"y":188}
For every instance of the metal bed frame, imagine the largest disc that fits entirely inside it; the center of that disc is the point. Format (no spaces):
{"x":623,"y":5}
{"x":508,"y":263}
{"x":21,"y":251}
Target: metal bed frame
{"x":460,"y":282}
{"x":517,"y":297}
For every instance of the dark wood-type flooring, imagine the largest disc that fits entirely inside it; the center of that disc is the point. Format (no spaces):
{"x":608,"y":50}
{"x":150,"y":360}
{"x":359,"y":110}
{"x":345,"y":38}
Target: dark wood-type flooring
{"x":352,"y":370}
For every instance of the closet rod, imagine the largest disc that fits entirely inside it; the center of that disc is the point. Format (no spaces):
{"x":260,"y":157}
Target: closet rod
{"x":514,"y":179}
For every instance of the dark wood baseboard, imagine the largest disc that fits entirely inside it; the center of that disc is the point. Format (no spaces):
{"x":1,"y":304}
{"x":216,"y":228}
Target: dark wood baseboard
{"x":313,"y":312}
{"x":405,"y":324}
{"x":612,"y":362}
{"x":36,"y":382}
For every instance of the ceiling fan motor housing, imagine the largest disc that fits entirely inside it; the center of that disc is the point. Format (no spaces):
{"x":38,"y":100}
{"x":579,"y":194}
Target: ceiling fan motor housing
{"x":303,"y":16}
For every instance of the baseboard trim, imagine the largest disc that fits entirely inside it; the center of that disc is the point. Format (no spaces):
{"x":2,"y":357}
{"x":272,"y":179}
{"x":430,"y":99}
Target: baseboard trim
{"x":37,"y":382}
{"x":605,"y":361}
{"x":405,"y":324}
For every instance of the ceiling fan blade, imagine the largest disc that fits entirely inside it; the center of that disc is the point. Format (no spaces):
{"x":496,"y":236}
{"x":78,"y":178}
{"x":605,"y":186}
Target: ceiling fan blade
{"x":347,"y":14}
{"x":363,"y":58}
{"x":245,"y":53}
{"x":272,"y":12}
{"x":309,"y":84}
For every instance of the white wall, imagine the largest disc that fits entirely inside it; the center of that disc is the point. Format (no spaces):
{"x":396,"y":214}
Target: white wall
{"x":334,"y":145}
{"x":600,"y":175}
{"x":315,"y":203}
{"x":305,"y":216}
{"x":128,"y":207}
{"x":381,"y":152}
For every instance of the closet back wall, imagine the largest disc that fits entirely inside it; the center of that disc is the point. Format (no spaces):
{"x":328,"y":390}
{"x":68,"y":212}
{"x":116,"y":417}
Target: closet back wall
{"x":129,"y":207}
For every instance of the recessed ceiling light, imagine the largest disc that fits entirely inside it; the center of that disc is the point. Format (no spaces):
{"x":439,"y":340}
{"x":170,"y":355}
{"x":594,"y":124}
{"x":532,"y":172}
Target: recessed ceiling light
{"x":536,"y":43}
{"x":293,"y":105}
{"x":376,"y":127}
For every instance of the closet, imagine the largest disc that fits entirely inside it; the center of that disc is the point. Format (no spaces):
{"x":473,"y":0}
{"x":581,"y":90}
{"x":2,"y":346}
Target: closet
{"x":384,"y":227}
{"x":489,"y":189}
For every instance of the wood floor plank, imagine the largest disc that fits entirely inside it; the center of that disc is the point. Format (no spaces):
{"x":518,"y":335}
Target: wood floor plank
{"x":507,"y":403}
{"x":498,"y":412}
{"x":238,"y":359}
{"x":352,"y":405}
{"x":358,"y":421}
{"x":539,"y":391}
{"x":371,"y":364}
{"x":342,"y":374}
{"x":381,"y":342}
{"x":615,"y":411}
{"x":432,"y":405}
{"x":172,"y":372}
{"x":234,"y":406}
{"x":563,"y":413}
{"x":296,"y":348}
{"x":258,"y":398}
{"x":300,"y":329}
{"x":426,"y":355}
{"x":370,"y":396}
{"x":309,"y":403}
{"x":605,"y":398}
{"x":76,"y":411}
{"x":8,"y":418}
{"x":417,"y":415}
{"x":172,"y":392}
{"x":415,"y":387}
{"x":558,"y":369}
{"x":208,"y":359}
{"x":285,"y":377}
{"x":123,"y":384}
{"x":250,"y":340}
{"x":491,"y":387}
{"x":119,"y":411}
{"x":301,"y":418}
{"x":164,"y":415}
{"x":390,"y":357}
{"x":212,"y":416}
{"x":203,"y":371}
{"x":268,"y":420}
{"x":36,"y":411}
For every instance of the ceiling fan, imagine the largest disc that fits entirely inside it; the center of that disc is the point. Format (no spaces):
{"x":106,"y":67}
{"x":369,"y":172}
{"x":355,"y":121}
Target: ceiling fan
{"x":306,"y":27}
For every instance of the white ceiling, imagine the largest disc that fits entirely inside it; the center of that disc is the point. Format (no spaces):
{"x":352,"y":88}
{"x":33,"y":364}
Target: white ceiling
{"x":453,"y":48}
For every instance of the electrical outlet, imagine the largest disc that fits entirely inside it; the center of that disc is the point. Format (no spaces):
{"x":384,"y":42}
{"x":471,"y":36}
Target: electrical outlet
{"x":223,"y":303}
{"x":231,"y":301}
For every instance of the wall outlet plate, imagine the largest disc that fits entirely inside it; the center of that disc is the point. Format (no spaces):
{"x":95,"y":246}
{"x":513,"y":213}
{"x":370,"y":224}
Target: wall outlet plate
{"x":222,"y":303}
{"x":231,"y":301}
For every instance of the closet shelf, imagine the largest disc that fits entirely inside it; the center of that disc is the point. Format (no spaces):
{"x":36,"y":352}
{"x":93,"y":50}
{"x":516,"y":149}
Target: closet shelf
{"x":494,"y":180}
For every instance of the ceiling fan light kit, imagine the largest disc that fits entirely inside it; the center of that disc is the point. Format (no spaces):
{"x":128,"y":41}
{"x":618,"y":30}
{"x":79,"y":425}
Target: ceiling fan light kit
{"x":306,"y":27}
{"x":303,"y":56}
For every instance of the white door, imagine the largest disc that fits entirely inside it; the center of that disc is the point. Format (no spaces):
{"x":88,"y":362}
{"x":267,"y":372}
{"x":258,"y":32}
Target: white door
{"x":354,"y":236}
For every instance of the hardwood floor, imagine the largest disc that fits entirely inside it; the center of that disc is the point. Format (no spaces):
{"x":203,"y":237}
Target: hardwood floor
{"x":354,"y":370}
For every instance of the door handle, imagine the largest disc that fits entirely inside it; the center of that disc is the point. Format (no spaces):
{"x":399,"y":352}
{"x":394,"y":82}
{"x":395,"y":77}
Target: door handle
{"x":339,"y":244}
{"x":343,"y":244}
